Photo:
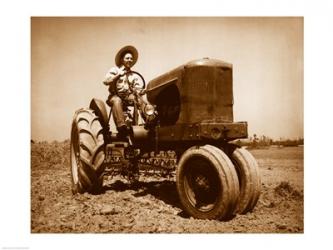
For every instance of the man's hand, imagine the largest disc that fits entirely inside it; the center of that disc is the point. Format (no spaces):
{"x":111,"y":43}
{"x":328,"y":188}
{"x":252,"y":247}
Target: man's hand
{"x":122,"y":71}
{"x":142,"y":92}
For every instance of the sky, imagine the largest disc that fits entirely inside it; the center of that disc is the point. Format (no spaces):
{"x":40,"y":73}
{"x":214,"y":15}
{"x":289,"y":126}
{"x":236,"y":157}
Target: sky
{"x":71,"y":55}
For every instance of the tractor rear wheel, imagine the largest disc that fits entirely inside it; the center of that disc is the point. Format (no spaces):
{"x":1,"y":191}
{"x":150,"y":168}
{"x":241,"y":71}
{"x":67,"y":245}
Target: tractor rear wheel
{"x":87,"y":152}
{"x":207,"y":183}
{"x":249,"y":179}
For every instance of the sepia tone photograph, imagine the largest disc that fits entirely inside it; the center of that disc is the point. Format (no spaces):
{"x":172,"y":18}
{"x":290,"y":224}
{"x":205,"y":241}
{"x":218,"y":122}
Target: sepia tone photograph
{"x":167,"y":125}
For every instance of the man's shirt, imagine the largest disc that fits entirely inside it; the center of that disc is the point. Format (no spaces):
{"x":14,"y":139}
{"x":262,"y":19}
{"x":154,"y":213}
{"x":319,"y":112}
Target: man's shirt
{"x":122,"y":85}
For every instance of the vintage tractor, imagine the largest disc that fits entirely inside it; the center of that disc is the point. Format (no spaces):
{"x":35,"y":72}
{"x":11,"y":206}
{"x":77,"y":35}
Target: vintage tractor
{"x":185,"y":129}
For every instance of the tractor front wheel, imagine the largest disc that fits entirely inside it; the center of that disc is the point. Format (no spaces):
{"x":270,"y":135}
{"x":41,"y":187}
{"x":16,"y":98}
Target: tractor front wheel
{"x":249,"y":179}
{"x":207,"y":183}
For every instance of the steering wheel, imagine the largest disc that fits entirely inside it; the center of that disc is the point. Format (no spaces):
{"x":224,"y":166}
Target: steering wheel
{"x":141,"y":83}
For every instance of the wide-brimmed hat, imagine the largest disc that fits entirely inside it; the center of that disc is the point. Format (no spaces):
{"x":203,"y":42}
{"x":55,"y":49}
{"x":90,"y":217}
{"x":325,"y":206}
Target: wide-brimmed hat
{"x":129,"y":48}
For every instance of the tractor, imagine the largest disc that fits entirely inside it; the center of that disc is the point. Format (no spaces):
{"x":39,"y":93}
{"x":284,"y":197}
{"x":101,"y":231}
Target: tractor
{"x":181,"y":125}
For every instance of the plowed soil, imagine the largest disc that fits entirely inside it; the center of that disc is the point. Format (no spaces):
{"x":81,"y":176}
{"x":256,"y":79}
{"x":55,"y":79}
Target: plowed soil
{"x":153,"y":206}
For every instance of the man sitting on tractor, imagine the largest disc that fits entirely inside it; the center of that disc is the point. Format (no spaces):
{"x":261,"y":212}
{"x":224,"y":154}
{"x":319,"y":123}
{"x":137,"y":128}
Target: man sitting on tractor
{"x":122,"y":82}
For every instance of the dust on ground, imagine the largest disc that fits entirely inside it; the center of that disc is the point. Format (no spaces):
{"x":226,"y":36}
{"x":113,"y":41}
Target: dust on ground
{"x":153,"y":206}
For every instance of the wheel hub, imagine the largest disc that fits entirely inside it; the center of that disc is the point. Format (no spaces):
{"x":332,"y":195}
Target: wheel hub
{"x":202,"y":182}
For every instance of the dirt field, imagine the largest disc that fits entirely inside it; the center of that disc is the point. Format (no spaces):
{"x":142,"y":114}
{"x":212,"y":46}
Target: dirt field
{"x":154,"y":206}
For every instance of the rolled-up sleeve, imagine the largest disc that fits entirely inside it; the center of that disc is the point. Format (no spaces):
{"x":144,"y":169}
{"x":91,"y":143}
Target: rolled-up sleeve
{"x":110,"y":76}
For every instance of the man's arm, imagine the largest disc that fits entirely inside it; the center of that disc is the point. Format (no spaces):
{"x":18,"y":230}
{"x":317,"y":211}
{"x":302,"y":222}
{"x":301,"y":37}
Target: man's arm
{"x":113,"y":75}
{"x":136,"y":84}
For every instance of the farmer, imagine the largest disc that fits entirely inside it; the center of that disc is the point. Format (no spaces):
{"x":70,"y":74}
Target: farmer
{"x":121,"y":82}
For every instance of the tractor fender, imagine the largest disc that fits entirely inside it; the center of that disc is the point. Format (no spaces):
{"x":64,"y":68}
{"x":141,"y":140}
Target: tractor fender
{"x":99,"y":108}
